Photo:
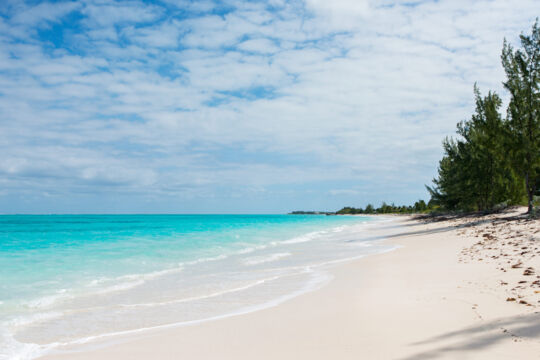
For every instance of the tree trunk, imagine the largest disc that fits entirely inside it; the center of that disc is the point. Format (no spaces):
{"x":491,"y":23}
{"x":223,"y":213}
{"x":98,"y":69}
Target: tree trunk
{"x":529,"y":193}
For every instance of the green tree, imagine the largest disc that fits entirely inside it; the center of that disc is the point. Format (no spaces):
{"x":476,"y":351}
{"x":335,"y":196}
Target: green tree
{"x":474,"y":173}
{"x":420,"y":206}
{"x":522,"y":67}
{"x":450,"y":187}
{"x":369,"y":209}
{"x":490,"y":174}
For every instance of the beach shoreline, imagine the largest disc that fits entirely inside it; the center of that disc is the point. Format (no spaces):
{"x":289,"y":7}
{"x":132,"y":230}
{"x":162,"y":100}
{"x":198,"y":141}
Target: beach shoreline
{"x":430,"y":298}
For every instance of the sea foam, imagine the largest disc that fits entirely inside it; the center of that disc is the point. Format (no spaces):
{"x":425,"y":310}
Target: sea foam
{"x":172,"y":271}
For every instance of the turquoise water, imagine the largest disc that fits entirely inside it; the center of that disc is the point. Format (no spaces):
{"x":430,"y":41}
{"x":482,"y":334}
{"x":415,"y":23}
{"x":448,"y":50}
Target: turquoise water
{"x":63,"y":276}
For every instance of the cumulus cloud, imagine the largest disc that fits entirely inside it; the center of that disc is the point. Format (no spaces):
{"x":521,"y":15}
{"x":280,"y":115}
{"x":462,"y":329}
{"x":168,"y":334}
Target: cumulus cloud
{"x":340,"y":14}
{"x":264,"y":45}
{"x":203,"y":102}
{"x":43,"y":13}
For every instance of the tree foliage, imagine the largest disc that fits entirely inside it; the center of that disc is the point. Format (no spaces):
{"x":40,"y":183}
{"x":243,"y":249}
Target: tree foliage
{"x":496,"y":160}
{"x":419,"y":207}
{"x":522,"y":67}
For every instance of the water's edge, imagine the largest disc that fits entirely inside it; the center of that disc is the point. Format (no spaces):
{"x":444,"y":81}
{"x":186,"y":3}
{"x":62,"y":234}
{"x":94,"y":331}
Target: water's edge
{"x":291,"y":275}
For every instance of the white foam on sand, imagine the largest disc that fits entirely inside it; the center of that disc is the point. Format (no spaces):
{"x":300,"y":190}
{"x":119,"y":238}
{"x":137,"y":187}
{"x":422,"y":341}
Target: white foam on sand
{"x":265,"y":259}
{"x":314,"y":268}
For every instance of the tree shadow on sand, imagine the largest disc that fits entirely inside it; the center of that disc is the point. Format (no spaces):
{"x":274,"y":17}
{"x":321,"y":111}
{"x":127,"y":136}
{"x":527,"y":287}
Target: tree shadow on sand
{"x":408,"y":233}
{"x":481,"y":337}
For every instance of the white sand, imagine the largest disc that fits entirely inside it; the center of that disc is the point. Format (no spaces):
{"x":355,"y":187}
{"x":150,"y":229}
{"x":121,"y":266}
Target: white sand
{"x":430,"y":299}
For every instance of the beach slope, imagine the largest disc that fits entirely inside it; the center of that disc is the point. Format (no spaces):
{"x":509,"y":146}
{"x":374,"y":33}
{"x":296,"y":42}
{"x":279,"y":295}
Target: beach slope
{"x":433,"y":298}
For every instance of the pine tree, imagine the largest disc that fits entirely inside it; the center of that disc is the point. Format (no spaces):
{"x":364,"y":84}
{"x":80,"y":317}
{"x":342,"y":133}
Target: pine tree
{"x":522,"y":67}
{"x":474,"y":173}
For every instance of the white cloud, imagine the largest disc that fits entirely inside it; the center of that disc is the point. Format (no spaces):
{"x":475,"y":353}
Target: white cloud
{"x":106,"y":13}
{"x":43,"y":13}
{"x":340,"y":14}
{"x":179,"y":101}
{"x":264,"y":46}
{"x":165,"y":35}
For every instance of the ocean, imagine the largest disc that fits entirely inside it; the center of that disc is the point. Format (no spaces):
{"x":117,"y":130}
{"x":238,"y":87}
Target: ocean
{"x":68,"y":279}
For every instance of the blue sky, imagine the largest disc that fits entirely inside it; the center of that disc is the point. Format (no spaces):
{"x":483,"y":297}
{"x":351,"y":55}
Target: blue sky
{"x":235,"y":106}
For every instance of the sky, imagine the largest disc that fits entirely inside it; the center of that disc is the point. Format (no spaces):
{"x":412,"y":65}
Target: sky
{"x":238,"y":106}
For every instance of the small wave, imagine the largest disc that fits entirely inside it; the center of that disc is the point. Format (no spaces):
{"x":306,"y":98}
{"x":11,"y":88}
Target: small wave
{"x":119,"y":287}
{"x":317,"y":281}
{"x":138,"y":279}
{"x":98,"y":281}
{"x":251,"y":249}
{"x":152,"y":275}
{"x":207,"y":296}
{"x":246,"y":250}
{"x":47,"y":301}
{"x":203,"y":260}
{"x":265,"y":259}
{"x":121,"y":283}
{"x":302,"y":238}
{"x":13,"y":349}
{"x":31,"y":319}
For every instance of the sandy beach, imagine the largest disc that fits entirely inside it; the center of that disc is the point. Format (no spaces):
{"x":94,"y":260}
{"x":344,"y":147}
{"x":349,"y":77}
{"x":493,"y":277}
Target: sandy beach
{"x":256,"y":180}
{"x":456,"y":289}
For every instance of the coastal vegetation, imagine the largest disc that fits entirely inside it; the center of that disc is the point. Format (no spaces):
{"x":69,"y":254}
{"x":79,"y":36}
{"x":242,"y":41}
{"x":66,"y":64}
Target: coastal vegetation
{"x":418,"y":207}
{"x":495,"y":161}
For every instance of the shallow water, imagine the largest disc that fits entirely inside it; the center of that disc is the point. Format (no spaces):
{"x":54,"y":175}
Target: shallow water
{"x":73,"y":278}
